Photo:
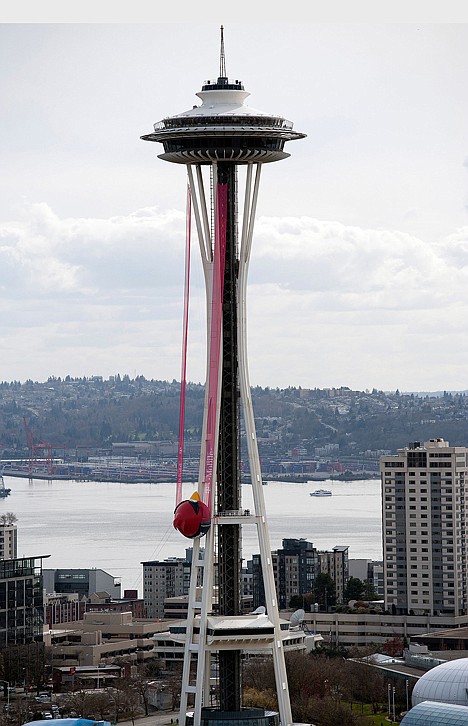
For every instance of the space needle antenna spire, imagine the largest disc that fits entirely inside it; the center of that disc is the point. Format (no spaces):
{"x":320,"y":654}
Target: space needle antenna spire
{"x":222,"y":57}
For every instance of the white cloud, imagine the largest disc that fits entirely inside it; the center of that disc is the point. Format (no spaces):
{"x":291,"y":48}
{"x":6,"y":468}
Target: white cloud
{"x":359,"y":267}
{"x":85,"y":256}
{"x":328,"y":304}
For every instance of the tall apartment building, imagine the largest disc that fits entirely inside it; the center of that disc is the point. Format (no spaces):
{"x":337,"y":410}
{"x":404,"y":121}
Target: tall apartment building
{"x":335,"y":564}
{"x":424,"y":513}
{"x":165,"y":579}
{"x":21,"y":604}
{"x":295,"y":568}
{"x":8,"y":539}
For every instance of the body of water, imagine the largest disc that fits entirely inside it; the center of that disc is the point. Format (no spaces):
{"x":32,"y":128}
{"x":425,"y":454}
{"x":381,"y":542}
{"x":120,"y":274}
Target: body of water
{"x":115,"y":526}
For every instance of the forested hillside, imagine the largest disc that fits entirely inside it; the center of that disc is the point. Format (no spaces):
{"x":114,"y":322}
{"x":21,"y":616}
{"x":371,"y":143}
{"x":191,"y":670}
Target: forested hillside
{"x":94,"y":413}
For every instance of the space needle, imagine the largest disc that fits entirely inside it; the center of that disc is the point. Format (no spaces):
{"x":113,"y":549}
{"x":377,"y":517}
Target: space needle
{"x":213,"y":140}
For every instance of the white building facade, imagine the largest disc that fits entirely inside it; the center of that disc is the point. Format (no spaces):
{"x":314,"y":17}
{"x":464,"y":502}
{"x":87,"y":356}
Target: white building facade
{"x":8,"y":540}
{"x":424,"y":511}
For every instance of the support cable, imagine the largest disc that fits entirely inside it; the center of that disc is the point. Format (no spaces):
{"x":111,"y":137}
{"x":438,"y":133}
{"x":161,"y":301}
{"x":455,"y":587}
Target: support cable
{"x":183,"y":375}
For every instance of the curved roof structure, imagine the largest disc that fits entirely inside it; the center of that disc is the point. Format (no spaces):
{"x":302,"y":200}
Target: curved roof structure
{"x":431,"y":713}
{"x":446,"y":683}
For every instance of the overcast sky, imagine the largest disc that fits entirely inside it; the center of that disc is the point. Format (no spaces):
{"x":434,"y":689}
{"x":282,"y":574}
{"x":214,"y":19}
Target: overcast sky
{"x":359,"y":273}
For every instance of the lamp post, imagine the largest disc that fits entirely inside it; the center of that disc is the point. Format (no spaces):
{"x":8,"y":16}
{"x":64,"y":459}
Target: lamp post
{"x":407,"y":700}
{"x":389,"y":688}
{"x":393,"y":694}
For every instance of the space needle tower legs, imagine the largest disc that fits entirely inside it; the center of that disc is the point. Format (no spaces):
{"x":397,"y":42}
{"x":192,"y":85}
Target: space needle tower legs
{"x":221,"y":135}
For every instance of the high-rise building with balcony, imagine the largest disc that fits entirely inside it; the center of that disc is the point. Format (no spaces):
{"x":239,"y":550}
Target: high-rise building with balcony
{"x":21,"y":601}
{"x":21,"y":589}
{"x":425,"y":505}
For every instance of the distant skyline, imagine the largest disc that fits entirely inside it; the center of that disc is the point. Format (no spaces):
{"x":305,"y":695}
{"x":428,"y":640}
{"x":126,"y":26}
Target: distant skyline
{"x":360,"y":256}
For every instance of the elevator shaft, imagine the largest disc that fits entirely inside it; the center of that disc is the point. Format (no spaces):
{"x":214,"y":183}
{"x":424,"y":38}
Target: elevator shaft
{"x":228,"y":470}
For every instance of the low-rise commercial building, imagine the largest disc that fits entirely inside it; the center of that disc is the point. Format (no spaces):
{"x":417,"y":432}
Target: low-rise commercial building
{"x":70,"y":607}
{"x":102,"y":638}
{"x":364,"y":628}
{"x":83,"y":581}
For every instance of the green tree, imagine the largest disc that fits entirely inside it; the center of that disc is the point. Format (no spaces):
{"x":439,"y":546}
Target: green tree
{"x":369,"y":591}
{"x":354,"y":590}
{"x":325,"y":590}
{"x":302,"y":601}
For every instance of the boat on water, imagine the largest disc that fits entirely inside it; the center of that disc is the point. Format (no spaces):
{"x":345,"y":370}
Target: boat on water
{"x":321,"y":493}
{"x":4,"y":491}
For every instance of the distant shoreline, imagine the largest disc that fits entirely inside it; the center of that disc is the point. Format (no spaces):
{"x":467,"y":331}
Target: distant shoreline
{"x":97,"y":477}
{"x":142,"y":479}
{"x":304,"y":478}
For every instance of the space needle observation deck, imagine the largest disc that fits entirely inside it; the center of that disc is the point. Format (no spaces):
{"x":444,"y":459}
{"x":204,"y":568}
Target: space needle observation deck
{"x":223,"y":128}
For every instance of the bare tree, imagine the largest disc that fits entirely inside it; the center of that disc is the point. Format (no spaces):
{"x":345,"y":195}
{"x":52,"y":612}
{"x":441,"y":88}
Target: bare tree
{"x":130,"y":698}
{"x":258,"y":673}
{"x":8,"y":519}
{"x":173,"y":685}
{"x":139,"y":682}
{"x":328,"y":712}
{"x":79,"y":701}
{"x":18,"y":713}
{"x":23,"y":663}
{"x":265,"y":698}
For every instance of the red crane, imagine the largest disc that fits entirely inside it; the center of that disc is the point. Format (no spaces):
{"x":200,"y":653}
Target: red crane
{"x":40,"y":453}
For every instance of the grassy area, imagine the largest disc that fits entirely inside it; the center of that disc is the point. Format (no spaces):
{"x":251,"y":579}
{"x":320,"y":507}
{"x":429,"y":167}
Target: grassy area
{"x":379,"y":719}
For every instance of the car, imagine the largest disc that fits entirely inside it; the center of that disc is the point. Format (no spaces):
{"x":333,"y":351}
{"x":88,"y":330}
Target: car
{"x":47,"y":714}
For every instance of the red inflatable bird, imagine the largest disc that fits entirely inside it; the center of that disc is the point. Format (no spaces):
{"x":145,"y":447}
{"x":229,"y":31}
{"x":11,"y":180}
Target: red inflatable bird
{"x":192,"y":518}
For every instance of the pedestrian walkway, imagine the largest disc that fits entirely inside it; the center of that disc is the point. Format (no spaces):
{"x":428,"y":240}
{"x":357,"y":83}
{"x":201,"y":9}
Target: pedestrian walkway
{"x":158,"y":718}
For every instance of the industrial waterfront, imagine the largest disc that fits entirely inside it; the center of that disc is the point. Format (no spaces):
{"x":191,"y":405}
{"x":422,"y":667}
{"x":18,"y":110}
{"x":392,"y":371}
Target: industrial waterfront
{"x":115,"y":526}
